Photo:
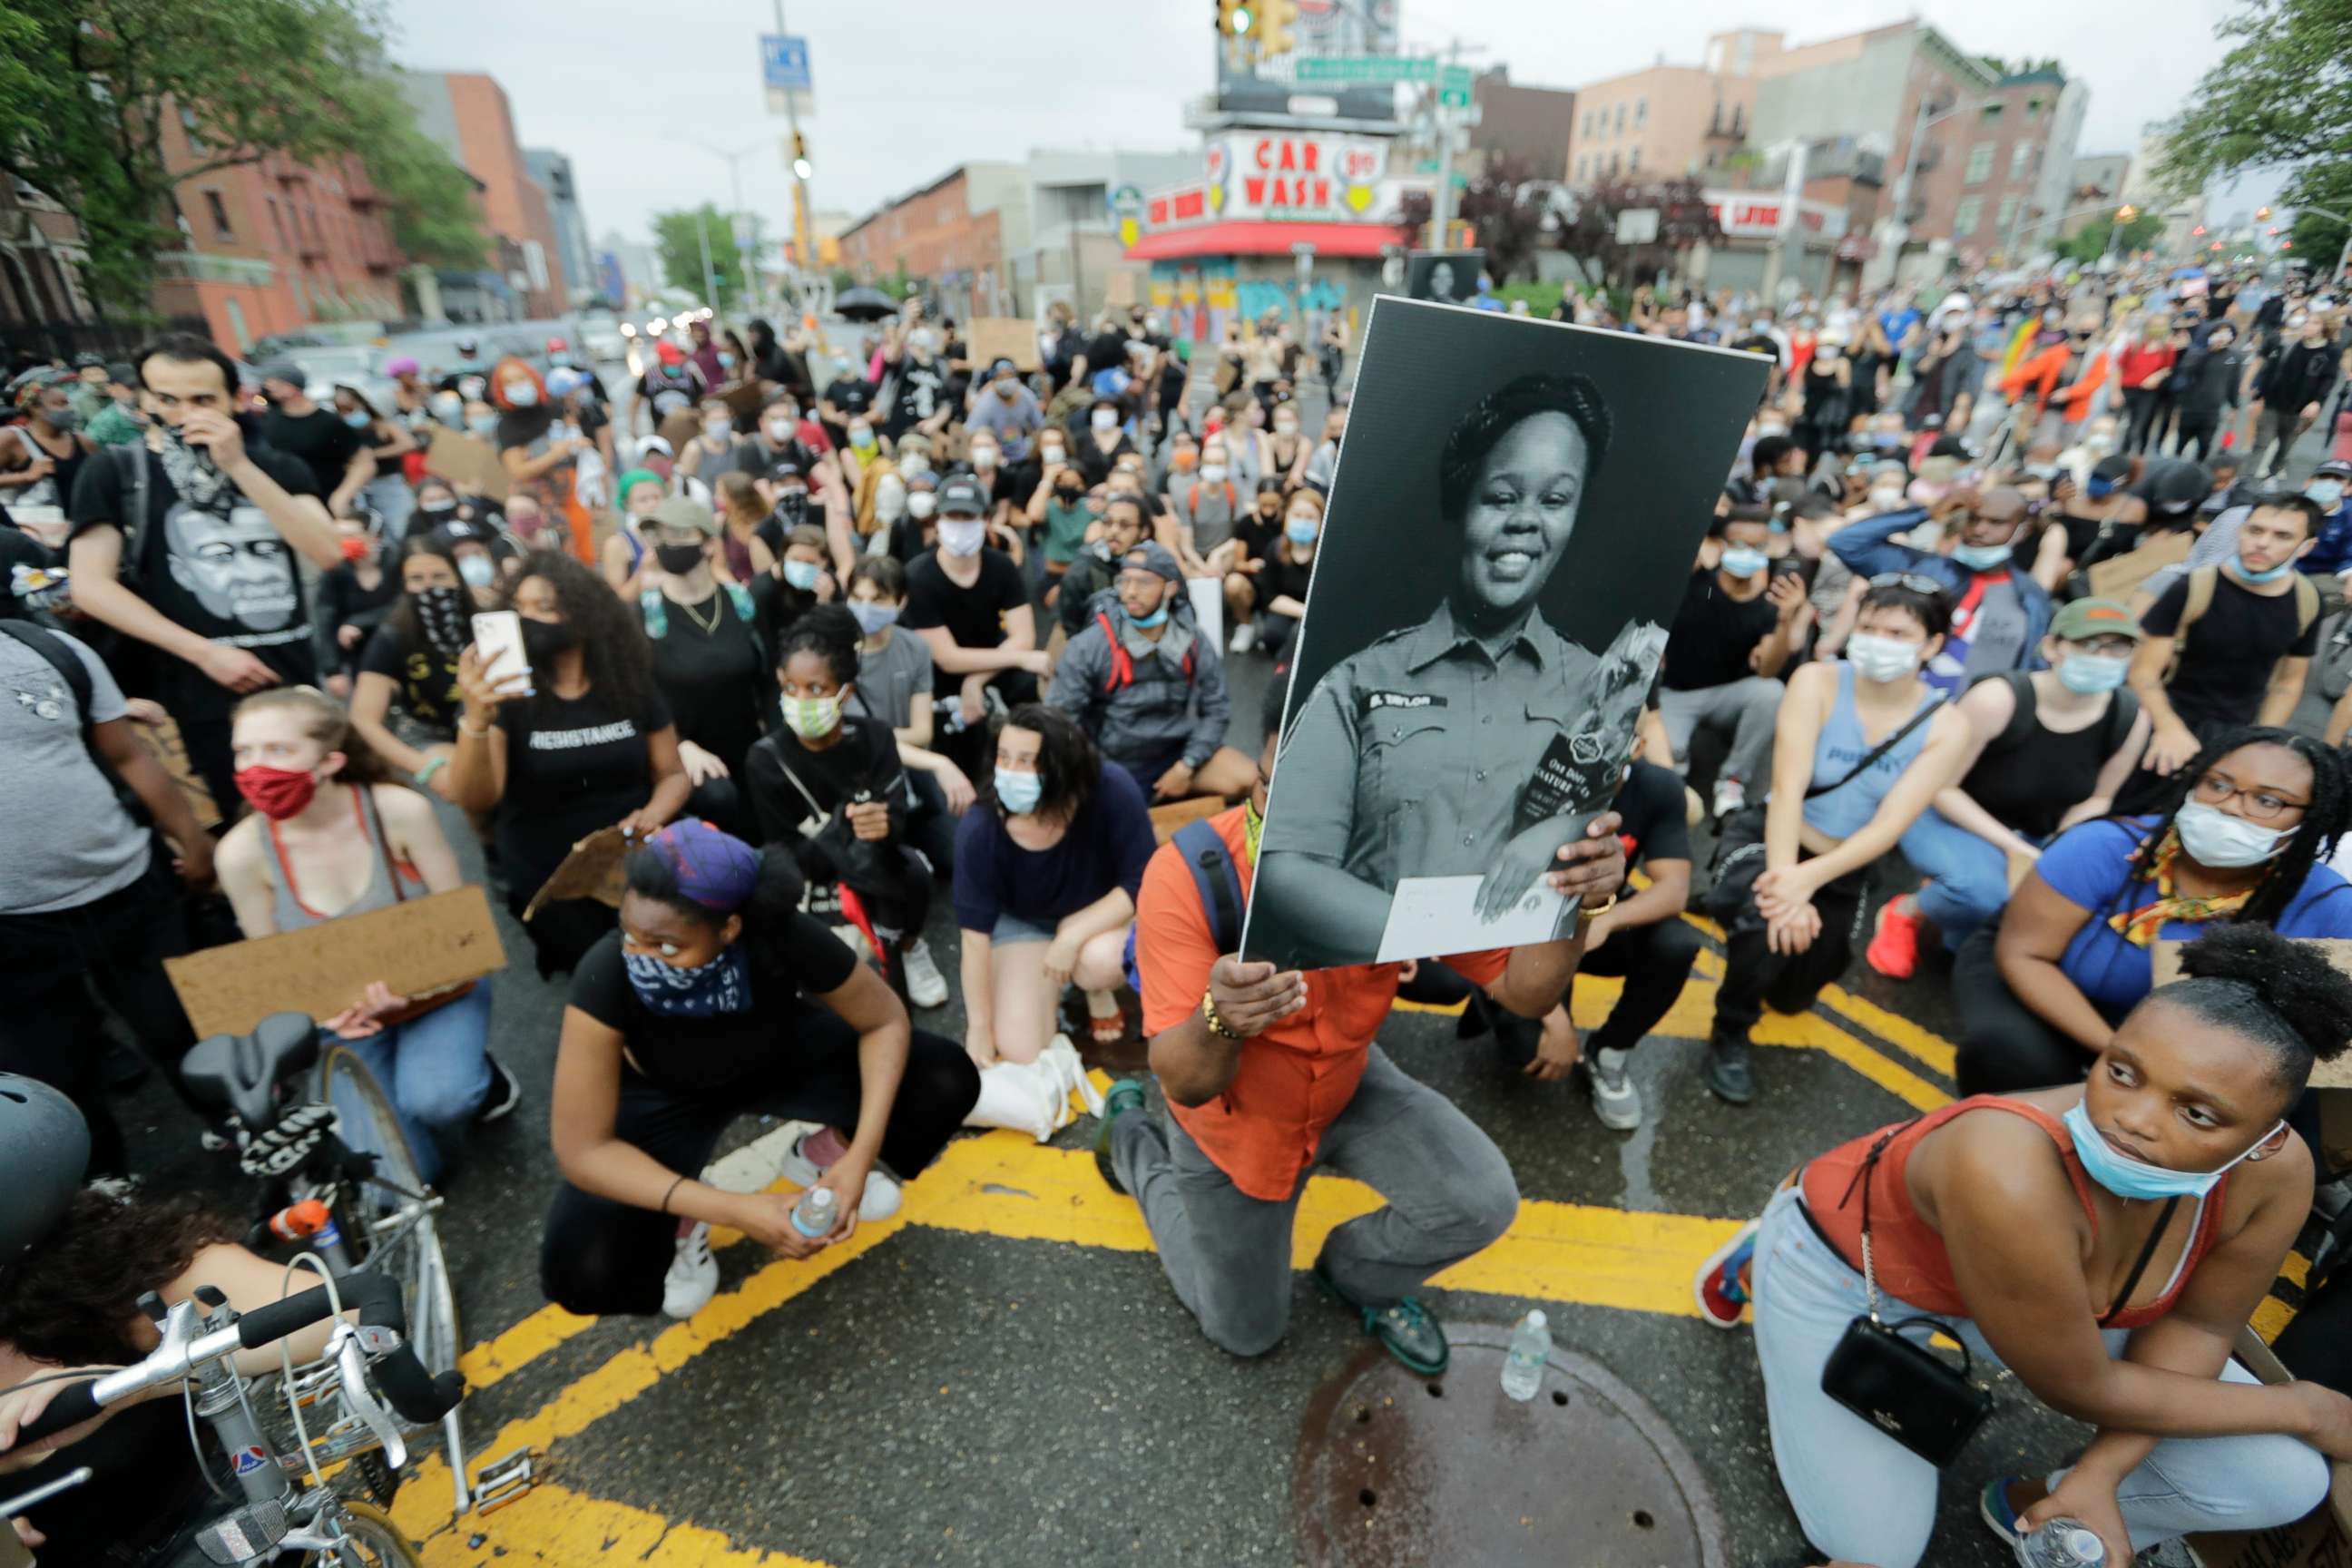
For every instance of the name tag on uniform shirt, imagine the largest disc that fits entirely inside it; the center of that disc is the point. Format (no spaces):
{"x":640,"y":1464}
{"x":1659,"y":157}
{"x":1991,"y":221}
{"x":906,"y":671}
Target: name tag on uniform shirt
{"x":1376,"y":701}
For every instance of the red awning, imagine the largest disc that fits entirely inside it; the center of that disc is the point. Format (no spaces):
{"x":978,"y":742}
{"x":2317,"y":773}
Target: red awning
{"x":1240,"y":236}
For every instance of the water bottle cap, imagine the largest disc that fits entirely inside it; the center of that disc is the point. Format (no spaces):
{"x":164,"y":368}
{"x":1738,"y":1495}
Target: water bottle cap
{"x":2085,"y":1544}
{"x":1536,"y":1319}
{"x":820,"y":1197}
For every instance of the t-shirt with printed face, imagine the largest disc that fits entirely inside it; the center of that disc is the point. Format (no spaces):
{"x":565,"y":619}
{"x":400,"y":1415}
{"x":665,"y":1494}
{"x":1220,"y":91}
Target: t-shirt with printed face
{"x":222,"y":571}
{"x":917,"y":391}
{"x":574,"y":765}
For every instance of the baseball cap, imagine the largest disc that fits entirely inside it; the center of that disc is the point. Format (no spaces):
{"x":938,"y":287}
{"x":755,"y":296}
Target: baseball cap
{"x":88,"y":358}
{"x":557,"y":345}
{"x":999,"y":366}
{"x":783,"y":469}
{"x":683,"y":511}
{"x":2082,"y":618}
{"x":402,"y":365}
{"x":284,"y":370}
{"x":1154,"y":557}
{"x":961,"y":497}
{"x":669,"y":354}
{"x":2114,"y":470}
{"x":2336,"y":467}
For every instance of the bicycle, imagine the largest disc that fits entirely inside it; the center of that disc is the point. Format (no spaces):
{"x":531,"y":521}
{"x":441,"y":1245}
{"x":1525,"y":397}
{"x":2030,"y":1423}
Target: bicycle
{"x":269,"y":1516}
{"x":340,"y":1177}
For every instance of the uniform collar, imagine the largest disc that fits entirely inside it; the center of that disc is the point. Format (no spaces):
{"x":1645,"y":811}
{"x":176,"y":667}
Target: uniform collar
{"x":1438,"y":636}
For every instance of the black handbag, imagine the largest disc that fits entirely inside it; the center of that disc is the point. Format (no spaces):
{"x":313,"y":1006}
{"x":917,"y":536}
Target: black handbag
{"x":1900,"y":1386}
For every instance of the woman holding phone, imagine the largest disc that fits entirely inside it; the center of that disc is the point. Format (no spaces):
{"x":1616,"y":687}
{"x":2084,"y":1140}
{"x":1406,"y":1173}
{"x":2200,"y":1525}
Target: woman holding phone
{"x":591,"y":744}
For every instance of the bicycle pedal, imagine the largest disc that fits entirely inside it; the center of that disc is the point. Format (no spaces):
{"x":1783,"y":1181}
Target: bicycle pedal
{"x":502,"y":1480}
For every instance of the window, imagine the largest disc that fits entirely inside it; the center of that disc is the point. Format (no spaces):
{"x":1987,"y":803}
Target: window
{"x":277,"y":220}
{"x":2020,"y":160}
{"x":1980,"y":162}
{"x":2032,"y":109}
{"x":1621,"y":117}
{"x":1583,"y":161}
{"x":188,"y":125}
{"x":2007,"y":213}
{"x":219,"y":213}
{"x":1634,"y":161}
{"x":1641,"y":112}
{"x":1964,"y":221}
{"x":1991,"y":112}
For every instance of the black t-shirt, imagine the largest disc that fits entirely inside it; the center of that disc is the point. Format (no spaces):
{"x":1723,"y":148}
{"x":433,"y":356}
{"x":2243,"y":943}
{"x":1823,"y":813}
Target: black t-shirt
{"x":705,"y":1055}
{"x":854,"y":395}
{"x":2029,"y":776}
{"x":344,"y":602}
{"x":1656,"y":820}
{"x":974,"y":617}
{"x":917,"y":393}
{"x":32,"y":576}
{"x":471,"y":383}
{"x":2228,"y":654}
{"x":667,"y":393}
{"x":319,"y":439}
{"x":1280,"y":578}
{"x":574,"y":765}
{"x":716,"y":678}
{"x":222,"y":572}
{"x":425,"y":680}
{"x":862,"y":766}
{"x":1106,"y":350}
{"x":1713,"y":635}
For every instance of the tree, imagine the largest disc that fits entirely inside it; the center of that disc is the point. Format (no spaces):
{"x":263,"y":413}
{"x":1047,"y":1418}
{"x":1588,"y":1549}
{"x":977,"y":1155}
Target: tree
{"x":1504,"y":205}
{"x":2091,"y":241}
{"x":1588,"y":232}
{"x":679,"y":236}
{"x":87,"y":87}
{"x":2279,"y":96}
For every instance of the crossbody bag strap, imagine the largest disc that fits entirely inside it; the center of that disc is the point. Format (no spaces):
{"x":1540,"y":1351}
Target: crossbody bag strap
{"x":1862,"y":1177}
{"x":1877,"y":752}
{"x":2147,"y":1252}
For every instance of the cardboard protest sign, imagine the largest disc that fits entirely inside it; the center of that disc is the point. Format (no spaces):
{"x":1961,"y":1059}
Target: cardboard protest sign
{"x":161,"y":740}
{"x":1002,"y":337}
{"x":1515,"y":515}
{"x":2118,"y":576}
{"x":2321,"y":1539}
{"x":744,"y":400}
{"x":466,"y":461}
{"x":414,"y":947}
{"x":592,"y":870}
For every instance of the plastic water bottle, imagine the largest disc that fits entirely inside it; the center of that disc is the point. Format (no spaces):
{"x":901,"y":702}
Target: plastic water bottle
{"x":813,"y":1216}
{"x":2062,"y":1543}
{"x":1530,"y":1352}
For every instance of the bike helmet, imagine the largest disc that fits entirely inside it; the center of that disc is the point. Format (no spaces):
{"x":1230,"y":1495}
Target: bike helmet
{"x":47,"y":1146}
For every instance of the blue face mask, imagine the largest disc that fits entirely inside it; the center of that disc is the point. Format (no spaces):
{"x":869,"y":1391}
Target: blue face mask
{"x":2328,"y":493}
{"x":355,"y":419}
{"x":2271,"y":574}
{"x":2129,"y":1178}
{"x":2087,"y":674}
{"x":726,"y":362}
{"x":1982,"y":557}
{"x":721,"y":986}
{"x":872,"y":618}
{"x":803,"y":574}
{"x":1300,"y":531}
{"x":1745,"y":560}
{"x":2098,"y":488}
{"x":1018,"y":793}
{"x":1158,"y":617}
{"x":523,"y":395}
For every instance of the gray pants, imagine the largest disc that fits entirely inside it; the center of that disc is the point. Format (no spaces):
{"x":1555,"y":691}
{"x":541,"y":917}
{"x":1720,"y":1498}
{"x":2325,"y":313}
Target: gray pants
{"x":2284,"y":426}
{"x":1449,"y":1190}
{"x":1748,"y":709}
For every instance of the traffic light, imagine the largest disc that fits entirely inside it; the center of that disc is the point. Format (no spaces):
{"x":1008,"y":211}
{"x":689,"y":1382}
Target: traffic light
{"x":2261,"y":214}
{"x":1274,"y":20}
{"x":1236,"y":18}
{"x":801,"y":168}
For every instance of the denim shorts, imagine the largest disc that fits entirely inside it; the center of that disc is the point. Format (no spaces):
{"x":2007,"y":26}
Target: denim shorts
{"x":1012,"y":929}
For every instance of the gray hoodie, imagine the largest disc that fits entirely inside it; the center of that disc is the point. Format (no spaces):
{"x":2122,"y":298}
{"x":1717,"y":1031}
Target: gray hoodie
{"x":1153,"y":705}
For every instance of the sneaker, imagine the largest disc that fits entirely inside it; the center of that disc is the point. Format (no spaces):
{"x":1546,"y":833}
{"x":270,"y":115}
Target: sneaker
{"x":1125,"y":1096}
{"x":1407,"y":1330}
{"x":1992,"y":1506}
{"x":926,"y":986}
{"x":693,"y":1277}
{"x":1615,"y":1101}
{"x":1894,"y":949}
{"x":1728,"y":1072}
{"x":1730,"y":794}
{"x":1245,"y":637}
{"x":505,"y":1093}
{"x":1722,"y":1295}
{"x":883,"y":1192}
{"x":853,"y":940}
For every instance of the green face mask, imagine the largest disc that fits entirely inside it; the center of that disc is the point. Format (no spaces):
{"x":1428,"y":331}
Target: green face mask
{"x":811,"y":717}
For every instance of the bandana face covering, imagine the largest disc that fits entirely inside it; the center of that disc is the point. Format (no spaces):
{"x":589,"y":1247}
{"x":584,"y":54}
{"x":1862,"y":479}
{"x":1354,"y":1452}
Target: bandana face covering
{"x":441,"y":612}
{"x":191,"y":471}
{"x":708,"y":990}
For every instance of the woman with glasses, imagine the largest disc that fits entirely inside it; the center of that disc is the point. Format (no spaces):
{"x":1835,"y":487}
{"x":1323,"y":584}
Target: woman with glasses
{"x":1862,"y":747}
{"x":2239,"y":839}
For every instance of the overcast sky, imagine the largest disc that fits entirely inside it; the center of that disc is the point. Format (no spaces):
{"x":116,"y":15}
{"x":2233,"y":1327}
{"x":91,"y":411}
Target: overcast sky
{"x":906,"y":88}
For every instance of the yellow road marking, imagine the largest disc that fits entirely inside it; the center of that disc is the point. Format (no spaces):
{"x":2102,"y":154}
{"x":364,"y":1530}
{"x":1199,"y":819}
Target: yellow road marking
{"x":1894,"y":1029}
{"x":554,"y":1527}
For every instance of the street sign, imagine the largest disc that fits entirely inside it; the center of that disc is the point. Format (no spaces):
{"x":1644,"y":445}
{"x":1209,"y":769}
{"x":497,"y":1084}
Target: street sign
{"x":1453,"y":86}
{"x":784,"y":62}
{"x":1637,"y":225}
{"x":1124,"y":201}
{"x":1372,"y":69}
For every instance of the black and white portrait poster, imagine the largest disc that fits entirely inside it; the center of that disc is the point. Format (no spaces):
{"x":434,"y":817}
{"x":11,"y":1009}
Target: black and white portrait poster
{"x":1510,"y":528}
{"x":1444,"y":275}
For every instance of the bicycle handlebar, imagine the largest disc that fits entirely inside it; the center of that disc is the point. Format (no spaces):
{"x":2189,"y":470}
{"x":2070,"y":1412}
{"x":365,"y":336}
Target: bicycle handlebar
{"x":419,"y":1396}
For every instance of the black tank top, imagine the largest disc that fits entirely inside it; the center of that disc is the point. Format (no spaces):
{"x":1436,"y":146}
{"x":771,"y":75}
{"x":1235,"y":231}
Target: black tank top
{"x":2028,"y":776}
{"x":146,"y":1491}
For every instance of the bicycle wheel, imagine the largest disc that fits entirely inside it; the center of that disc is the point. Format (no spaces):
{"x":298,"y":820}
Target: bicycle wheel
{"x":392,"y":1207}
{"x":370,"y":1540}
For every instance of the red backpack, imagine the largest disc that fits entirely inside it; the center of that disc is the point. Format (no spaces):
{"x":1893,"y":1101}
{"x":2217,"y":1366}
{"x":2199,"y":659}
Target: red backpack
{"x":1122,"y":663}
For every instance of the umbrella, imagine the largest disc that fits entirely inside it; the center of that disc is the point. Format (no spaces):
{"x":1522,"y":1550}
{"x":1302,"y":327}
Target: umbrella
{"x":865,"y":305}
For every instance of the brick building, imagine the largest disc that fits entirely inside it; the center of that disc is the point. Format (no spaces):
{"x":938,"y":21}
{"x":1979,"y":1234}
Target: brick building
{"x":1665,"y":121}
{"x":956,"y":233}
{"x":468,"y":114}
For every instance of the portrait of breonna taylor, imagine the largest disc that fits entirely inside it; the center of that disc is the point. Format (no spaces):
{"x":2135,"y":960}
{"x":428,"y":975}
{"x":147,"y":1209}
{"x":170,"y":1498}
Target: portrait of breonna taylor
{"x":1514,"y":512}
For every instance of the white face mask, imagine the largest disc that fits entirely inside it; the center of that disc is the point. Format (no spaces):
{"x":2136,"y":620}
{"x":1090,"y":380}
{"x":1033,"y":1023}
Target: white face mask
{"x":984,"y":458}
{"x":715,"y":429}
{"x":1212,"y":473}
{"x":922,"y":503}
{"x":963,"y":535}
{"x":1104,"y":420}
{"x":914,"y":463}
{"x":1882,"y":658}
{"x":890,"y":499}
{"x":779,"y":430}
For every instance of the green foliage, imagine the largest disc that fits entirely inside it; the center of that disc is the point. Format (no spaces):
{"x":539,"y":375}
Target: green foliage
{"x":86,"y":87}
{"x":678,"y":236}
{"x":2281,"y":95}
{"x":2091,"y":241}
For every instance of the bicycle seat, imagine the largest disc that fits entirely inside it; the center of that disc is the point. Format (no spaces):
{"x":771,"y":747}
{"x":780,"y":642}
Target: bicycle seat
{"x":238,"y":1072}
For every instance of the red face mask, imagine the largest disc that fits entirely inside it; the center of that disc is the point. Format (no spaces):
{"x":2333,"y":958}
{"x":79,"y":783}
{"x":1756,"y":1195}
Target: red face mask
{"x":275,"y":793}
{"x":353,"y":548}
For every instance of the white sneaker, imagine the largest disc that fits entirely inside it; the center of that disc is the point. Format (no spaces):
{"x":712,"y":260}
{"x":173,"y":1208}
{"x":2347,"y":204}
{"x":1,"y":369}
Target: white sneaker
{"x":926,"y":986}
{"x":1245,"y":637}
{"x":693,"y":1277}
{"x":1615,"y":1101}
{"x":1730,"y":794}
{"x":883,"y":1192}
{"x":855,"y":941}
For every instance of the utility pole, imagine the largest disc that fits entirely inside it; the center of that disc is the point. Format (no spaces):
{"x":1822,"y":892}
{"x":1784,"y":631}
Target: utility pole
{"x":1441,"y":211}
{"x":801,"y":246}
{"x":709,"y":279}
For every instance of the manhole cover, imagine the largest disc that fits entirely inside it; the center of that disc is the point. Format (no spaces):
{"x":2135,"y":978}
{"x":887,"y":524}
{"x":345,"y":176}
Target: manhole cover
{"x":1397,"y":1469}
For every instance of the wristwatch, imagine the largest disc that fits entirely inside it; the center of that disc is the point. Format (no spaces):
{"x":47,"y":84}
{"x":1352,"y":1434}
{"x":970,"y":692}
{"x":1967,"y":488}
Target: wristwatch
{"x":1217,"y":1024}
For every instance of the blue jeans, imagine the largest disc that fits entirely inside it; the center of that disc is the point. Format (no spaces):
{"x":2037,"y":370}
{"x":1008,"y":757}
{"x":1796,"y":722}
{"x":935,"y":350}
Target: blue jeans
{"x":433,"y":1067}
{"x":1968,"y":877}
{"x":1865,"y":1498}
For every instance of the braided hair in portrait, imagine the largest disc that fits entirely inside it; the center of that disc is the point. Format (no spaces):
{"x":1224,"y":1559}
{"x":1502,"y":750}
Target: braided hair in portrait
{"x":2280,"y":993}
{"x":2323,"y":821}
{"x":618,"y":658}
{"x":1494,"y":416}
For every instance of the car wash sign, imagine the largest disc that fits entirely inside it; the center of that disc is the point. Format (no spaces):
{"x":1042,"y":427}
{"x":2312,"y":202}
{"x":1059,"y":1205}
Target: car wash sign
{"x":1275,"y":176}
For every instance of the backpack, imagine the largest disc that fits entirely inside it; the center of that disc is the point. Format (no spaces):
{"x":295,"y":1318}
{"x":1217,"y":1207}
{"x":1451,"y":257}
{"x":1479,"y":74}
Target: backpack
{"x":2203,"y":583}
{"x":1122,"y":663}
{"x":2335,"y":656}
{"x":1216,"y":881}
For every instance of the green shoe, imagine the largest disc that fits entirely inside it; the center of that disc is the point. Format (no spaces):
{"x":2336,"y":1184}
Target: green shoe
{"x":1126,"y":1095}
{"x":1407,"y":1330}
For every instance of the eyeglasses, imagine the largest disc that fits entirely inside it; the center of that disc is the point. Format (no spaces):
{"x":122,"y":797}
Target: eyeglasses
{"x":1911,"y":580}
{"x":2261,"y":805}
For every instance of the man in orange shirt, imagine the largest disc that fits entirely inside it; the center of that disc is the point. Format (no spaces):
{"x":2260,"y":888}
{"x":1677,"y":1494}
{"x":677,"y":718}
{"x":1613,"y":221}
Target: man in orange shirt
{"x":1269,"y":1074}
